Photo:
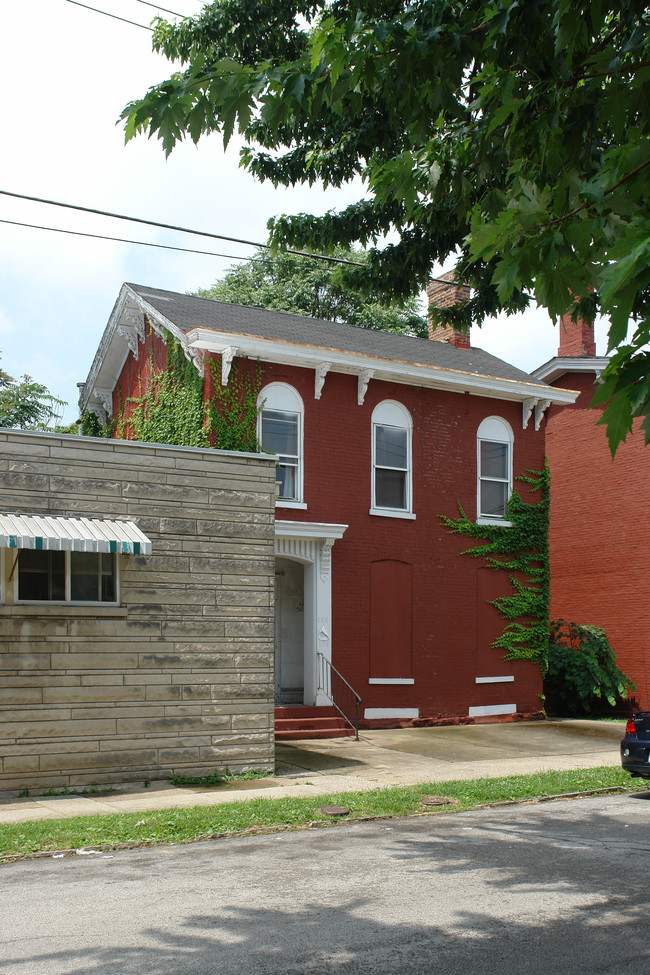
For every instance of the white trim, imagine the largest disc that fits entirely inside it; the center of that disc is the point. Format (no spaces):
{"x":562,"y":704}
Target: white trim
{"x":493,"y":429}
{"x":282,"y":503}
{"x":493,"y":680}
{"x":491,"y":709}
{"x":392,"y":370}
{"x":311,"y":544}
{"x":557,"y":367}
{"x":281,"y":397}
{"x":391,"y":680}
{"x":392,"y":414}
{"x":392,"y":513}
{"x":68,"y":601}
{"x":374,"y":713}
{"x":308,"y":529}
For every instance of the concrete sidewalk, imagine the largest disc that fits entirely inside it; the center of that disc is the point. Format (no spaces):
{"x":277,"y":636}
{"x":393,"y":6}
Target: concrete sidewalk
{"x":406,"y":756}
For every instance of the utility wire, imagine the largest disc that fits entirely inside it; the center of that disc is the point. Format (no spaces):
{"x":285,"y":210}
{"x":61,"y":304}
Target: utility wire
{"x":182,"y":230}
{"x":106,"y":14}
{"x":157,"y":6}
{"x":125,"y":240}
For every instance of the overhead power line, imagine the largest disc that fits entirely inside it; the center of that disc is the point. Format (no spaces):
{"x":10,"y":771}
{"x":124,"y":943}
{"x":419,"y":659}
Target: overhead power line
{"x":182,"y":230}
{"x":157,"y":6}
{"x":113,"y":16}
{"x":125,"y":240}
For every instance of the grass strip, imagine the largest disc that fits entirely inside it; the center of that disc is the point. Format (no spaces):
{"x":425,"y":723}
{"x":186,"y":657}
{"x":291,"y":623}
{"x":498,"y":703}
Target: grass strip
{"x":167,"y":826}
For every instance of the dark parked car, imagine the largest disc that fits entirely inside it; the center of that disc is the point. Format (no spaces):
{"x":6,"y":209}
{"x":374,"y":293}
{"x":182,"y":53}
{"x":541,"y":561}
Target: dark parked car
{"x":635,"y":747}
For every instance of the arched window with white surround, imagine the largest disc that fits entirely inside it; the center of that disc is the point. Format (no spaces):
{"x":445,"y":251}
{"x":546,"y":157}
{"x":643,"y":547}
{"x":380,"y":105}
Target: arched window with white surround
{"x":392,"y":492}
{"x":280,"y":431}
{"x":494,"y":459}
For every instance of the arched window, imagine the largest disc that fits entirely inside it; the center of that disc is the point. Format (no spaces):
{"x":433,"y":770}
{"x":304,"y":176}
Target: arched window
{"x":391,"y":460}
{"x":494,"y":449}
{"x":280,"y":430}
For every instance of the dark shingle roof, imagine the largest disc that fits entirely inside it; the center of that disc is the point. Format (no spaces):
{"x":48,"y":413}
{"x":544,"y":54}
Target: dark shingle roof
{"x":187,"y":312}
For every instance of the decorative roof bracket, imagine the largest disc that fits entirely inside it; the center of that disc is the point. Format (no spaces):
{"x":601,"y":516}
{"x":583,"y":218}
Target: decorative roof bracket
{"x":364,"y":378}
{"x":227,"y":356}
{"x":322,"y":368}
{"x":541,"y":407}
{"x":527,"y":407}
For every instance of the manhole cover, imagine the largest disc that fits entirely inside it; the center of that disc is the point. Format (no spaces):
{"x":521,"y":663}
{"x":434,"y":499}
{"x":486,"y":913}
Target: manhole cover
{"x":334,"y":810}
{"x":437,"y":801}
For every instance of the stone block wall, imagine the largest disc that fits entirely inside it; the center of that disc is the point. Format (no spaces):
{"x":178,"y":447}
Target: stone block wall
{"x":179,"y":676}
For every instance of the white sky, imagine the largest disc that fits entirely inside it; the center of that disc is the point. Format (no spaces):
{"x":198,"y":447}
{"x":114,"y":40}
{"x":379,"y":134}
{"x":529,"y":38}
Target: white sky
{"x":67,"y":73}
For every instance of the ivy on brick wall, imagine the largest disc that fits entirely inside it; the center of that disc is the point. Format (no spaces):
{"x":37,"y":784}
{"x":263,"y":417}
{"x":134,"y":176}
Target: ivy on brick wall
{"x":520,"y":550}
{"x":171,"y":407}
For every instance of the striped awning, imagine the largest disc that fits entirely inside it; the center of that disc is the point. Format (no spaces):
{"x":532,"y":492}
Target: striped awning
{"x":72,"y":534}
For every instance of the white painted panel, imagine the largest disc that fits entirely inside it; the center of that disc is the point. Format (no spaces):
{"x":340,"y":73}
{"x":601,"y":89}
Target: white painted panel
{"x":391,"y":713}
{"x":494,"y":680}
{"x":490,"y":709}
{"x":391,"y":680}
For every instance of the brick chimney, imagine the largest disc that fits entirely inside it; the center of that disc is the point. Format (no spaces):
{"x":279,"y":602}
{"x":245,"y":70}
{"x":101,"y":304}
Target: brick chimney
{"x":443,"y":293}
{"x":576,"y":338}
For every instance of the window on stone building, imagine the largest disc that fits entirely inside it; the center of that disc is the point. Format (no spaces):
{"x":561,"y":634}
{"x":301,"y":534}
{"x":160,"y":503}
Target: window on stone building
{"x":71,"y":577}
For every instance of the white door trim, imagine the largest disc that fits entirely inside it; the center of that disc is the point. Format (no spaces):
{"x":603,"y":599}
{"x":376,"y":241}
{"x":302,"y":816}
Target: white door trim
{"x":311,"y":543}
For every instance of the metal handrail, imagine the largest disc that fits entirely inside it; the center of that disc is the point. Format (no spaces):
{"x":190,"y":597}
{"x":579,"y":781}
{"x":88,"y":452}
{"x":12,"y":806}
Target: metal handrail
{"x":342,"y":695}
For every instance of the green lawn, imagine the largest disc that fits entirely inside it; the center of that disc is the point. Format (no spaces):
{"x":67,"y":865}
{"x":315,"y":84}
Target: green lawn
{"x":183,"y":825}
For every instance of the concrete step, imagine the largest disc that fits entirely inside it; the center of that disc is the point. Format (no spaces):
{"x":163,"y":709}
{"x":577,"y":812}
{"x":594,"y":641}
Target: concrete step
{"x":295,"y":722}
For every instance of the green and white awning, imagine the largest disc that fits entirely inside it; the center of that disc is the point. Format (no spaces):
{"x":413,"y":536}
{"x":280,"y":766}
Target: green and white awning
{"x":72,"y":534}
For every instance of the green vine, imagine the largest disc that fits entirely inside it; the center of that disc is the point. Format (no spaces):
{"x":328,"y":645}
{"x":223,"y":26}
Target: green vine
{"x":521,"y":550}
{"x":172,"y":409}
{"x":233,"y":410}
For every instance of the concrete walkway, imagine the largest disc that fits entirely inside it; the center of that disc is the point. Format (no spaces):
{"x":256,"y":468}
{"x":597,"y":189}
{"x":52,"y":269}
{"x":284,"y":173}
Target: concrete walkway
{"x":406,"y":756}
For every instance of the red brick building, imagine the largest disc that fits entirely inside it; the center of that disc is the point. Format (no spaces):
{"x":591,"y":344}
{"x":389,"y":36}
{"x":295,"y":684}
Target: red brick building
{"x":600,"y":513}
{"x":377,"y":435}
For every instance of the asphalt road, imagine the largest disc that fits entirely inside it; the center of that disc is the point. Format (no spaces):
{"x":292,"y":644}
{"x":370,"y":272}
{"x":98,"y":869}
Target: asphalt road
{"x":547,"y":888}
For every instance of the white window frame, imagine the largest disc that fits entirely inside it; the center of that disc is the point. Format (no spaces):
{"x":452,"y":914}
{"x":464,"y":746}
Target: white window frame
{"x":283,"y":398}
{"x":390,"y":413}
{"x":493,"y":429}
{"x":68,"y":587}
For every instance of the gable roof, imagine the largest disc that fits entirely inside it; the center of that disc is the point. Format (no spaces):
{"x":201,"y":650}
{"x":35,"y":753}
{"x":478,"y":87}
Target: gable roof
{"x":273,"y":336}
{"x":189,"y":313}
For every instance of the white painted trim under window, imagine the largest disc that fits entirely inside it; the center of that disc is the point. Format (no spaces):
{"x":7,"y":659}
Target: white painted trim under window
{"x":489,"y":710}
{"x":393,"y":513}
{"x":391,"y":680}
{"x":373,"y":714}
{"x":290,"y":504}
{"x":493,"y":680}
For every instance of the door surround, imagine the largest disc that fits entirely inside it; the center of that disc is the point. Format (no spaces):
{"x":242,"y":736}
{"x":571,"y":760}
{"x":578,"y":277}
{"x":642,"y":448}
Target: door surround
{"x":311,"y":543}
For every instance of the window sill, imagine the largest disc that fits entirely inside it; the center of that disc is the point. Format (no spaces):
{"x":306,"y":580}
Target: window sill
{"x":291,"y":504}
{"x":494,"y":521}
{"x":68,"y":610}
{"x":392,"y":513}
{"x":391,"y":680}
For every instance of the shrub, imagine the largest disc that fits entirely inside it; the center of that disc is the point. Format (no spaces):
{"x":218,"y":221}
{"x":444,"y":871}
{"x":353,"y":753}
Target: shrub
{"x":582,"y":674}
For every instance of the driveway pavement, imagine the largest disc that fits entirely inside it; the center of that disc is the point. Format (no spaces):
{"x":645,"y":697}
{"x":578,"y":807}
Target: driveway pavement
{"x":405,"y":756}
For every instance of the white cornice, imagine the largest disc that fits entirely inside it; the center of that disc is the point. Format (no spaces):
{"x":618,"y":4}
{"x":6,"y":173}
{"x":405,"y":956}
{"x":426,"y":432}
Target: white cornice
{"x":391,"y":370}
{"x":560,"y":365}
{"x":308,"y":529}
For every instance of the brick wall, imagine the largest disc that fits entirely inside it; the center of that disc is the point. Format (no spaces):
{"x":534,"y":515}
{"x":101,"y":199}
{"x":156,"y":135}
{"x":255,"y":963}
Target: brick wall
{"x":179,"y":677}
{"x":600,"y":531}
